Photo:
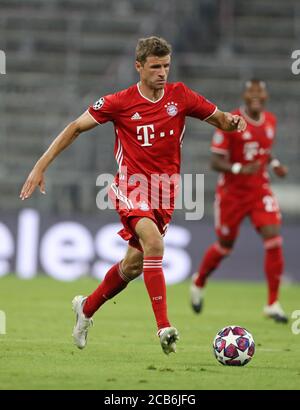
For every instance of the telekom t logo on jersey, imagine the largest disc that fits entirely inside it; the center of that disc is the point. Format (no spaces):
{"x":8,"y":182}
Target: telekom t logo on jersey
{"x":145,"y":133}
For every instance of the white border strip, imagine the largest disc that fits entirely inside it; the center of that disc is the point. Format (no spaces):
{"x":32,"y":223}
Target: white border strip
{"x":257,"y":123}
{"x":210,"y":115}
{"x":93,"y":117}
{"x":148,"y":99}
{"x":219,"y":150}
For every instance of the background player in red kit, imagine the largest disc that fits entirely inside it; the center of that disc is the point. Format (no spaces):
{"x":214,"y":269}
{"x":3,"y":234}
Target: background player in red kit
{"x":244,"y":190}
{"x":148,"y":119}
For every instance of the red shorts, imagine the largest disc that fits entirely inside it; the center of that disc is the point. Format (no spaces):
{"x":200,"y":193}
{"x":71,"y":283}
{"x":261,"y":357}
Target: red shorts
{"x":230,"y":210}
{"x":131,"y":211}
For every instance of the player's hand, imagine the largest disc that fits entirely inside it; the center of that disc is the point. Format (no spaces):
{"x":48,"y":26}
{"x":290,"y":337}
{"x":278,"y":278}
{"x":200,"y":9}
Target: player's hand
{"x":236,"y":122}
{"x":239,"y":122}
{"x":281,"y":171}
{"x":251,"y":168}
{"x":35,"y":178}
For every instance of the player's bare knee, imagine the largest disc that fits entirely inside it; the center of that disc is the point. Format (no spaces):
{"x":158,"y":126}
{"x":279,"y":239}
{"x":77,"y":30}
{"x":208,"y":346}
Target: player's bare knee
{"x":269,"y":231}
{"x":225,"y":245}
{"x":153,"y":246}
{"x":132,"y":269}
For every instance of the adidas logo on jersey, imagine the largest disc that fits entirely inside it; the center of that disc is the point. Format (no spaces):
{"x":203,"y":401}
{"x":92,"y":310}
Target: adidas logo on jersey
{"x":136,"y":116}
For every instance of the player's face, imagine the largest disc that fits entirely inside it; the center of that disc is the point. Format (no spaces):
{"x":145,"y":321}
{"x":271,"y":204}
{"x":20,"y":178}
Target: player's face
{"x":154,"y":72}
{"x":255,"y":97}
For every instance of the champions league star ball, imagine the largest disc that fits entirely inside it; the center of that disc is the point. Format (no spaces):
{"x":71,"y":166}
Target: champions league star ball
{"x":234,"y":346}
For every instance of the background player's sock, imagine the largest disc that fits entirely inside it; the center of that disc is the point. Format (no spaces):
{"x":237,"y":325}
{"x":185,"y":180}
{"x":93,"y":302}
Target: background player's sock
{"x":211,"y":260}
{"x":274,"y":262}
{"x":115,"y":280}
{"x":156,"y":287}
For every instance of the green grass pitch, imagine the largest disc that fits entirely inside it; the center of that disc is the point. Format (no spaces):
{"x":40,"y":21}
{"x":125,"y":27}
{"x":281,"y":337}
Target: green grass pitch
{"x":123,"y":351}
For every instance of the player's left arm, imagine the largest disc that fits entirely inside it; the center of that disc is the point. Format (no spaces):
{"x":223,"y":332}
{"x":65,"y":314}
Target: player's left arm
{"x":278,"y":168}
{"x":227,"y":121}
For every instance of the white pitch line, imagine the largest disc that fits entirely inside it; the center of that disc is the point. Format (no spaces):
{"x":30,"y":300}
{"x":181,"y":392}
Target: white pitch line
{"x":44,"y":341}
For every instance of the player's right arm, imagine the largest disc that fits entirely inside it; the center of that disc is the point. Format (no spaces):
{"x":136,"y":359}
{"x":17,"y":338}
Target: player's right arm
{"x":36,"y":177}
{"x":199,"y":107}
{"x":220,"y":163}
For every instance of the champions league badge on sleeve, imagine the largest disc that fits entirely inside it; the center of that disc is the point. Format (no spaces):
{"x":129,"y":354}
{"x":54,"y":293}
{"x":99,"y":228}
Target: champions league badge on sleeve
{"x":99,"y":104}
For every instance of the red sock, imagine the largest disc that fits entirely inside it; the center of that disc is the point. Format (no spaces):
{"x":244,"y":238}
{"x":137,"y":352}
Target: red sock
{"x":156,"y":287}
{"x":273,"y":266}
{"x":210,"y":262}
{"x":112,"y":284}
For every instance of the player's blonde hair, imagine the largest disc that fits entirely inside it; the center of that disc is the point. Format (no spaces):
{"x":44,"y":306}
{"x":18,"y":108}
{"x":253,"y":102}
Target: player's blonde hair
{"x":151,"y":46}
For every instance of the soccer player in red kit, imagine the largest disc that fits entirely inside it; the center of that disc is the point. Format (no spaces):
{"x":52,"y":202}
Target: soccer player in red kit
{"x":243,"y":190}
{"x":148,"y":120}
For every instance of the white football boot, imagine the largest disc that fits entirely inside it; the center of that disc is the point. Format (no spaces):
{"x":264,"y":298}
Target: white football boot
{"x":168,"y":337}
{"x":82,"y":324}
{"x":197,"y":295}
{"x":276,"y":312}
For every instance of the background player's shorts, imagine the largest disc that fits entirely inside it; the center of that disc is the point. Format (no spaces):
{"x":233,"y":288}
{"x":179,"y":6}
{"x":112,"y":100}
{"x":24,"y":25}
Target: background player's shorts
{"x":130,"y":212}
{"x":230,"y":210}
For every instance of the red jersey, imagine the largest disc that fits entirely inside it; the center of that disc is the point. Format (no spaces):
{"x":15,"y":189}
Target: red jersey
{"x":254,"y":143}
{"x":149,"y":134}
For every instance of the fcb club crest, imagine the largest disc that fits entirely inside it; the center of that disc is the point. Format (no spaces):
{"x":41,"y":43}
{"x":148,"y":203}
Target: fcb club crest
{"x":99,"y":104}
{"x":144,"y":206}
{"x":172,"y":109}
{"x":247,"y":135}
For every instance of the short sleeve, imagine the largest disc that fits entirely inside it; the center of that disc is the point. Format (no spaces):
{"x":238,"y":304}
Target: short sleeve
{"x":220,"y":142}
{"x":198,"y":106}
{"x":104,"y":109}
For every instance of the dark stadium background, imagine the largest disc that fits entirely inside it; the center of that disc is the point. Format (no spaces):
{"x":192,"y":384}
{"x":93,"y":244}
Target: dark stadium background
{"x":62,"y":55}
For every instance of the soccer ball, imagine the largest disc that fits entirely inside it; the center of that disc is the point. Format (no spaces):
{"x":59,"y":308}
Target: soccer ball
{"x":234,"y":346}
